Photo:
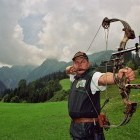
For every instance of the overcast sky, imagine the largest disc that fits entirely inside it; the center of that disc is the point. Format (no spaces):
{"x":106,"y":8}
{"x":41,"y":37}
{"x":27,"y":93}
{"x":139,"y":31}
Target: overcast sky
{"x":33,"y":30}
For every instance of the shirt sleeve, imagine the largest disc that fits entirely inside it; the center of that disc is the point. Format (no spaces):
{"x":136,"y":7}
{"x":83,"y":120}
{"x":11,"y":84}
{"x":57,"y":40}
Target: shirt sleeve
{"x":71,"y":77}
{"x":94,"y":83}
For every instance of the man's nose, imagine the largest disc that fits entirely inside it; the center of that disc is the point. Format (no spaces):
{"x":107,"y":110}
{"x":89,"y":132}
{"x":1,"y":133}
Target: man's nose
{"x":79,"y":64}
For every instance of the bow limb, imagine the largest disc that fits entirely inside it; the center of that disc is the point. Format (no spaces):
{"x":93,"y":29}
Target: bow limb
{"x":123,"y":42}
{"x":129,"y":33}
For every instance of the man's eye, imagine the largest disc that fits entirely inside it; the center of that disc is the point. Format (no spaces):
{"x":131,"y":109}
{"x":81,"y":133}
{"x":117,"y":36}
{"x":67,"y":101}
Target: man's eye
{"x":83,"y":61}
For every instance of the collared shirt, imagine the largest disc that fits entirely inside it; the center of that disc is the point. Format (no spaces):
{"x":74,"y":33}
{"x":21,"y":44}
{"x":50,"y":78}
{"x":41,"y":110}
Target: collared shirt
{"x":94,"y":82}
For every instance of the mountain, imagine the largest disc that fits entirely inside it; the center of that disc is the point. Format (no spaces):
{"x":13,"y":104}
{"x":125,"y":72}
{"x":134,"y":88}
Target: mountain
{"x":11,"y":76}
{"x":2,"y":86}
{"x":53,"y":65}
{"x":47,"y":67}
{"x":100,"y":57}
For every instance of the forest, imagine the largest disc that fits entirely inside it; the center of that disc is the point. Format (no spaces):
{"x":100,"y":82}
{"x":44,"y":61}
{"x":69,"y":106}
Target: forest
{"x":40,"y":90}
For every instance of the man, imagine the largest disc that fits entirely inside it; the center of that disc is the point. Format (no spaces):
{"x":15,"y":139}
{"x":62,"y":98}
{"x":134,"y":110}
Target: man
{"x":84,"y":98}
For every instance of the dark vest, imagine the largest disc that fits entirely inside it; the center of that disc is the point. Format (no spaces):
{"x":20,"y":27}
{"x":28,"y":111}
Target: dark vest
{"x":81,"y":102}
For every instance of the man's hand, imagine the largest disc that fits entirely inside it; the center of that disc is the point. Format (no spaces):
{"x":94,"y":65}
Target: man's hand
{"x":127,"y":72}
{"x":70,"y":70}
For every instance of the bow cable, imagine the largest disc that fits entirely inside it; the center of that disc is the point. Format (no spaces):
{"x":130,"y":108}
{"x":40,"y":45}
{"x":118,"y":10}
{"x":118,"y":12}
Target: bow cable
{"x":93,"y":38}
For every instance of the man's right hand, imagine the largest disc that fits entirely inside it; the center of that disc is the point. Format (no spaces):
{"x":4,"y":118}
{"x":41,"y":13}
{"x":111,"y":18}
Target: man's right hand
{"x":70,"y":70}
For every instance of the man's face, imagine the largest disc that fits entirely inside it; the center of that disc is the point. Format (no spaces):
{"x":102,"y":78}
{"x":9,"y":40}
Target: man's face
{"x":81,"y":65}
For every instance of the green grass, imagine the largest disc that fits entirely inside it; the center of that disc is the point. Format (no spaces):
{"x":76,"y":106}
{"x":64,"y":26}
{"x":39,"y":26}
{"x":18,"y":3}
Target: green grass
{"x":114,"y":111}
{"x":43,"y":121}
{"x":50,"y":121}
{"x":65,"y":83}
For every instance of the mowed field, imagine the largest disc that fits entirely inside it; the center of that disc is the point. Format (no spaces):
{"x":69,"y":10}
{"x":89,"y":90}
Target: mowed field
{"x":50,"y":120}
{"x":42,"y":121}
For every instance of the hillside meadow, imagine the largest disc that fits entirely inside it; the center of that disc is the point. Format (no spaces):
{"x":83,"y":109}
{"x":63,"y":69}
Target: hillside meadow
{"x":50,"y":120}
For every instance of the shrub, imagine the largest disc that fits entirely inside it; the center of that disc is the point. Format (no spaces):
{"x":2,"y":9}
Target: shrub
{"x":15,"y":99}
{"x":6,"y":98}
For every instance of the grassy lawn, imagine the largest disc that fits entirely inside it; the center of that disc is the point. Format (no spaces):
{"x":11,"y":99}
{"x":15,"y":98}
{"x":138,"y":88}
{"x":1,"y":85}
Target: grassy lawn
{"x":65,"y":84}
{"x":50,"y":121}
{"x":43,"y":121}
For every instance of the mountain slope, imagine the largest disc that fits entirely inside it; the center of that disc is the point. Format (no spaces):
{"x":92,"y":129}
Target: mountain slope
{"x":47,"y":67}
{"x":11,"y":76}
{"x":100,"y":56}
{"x":2,"y":86}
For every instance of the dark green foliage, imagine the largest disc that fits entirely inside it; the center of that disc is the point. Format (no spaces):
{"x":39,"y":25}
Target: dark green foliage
{"x":7,"y":98}
{"x":127,"y":57}
{"x":15,"y":99}
{"x":40,"y":90}
{"x":131,"y":64}
{"x":139,"y":70}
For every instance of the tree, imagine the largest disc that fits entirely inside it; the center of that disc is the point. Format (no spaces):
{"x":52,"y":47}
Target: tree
{"x":37,"y":91}
{"x":15,"y":99}
{"x":22,"y":89}
{"x":6,"y":98}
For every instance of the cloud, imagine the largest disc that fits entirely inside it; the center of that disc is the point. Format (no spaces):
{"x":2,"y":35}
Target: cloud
{"x":32,"y":31}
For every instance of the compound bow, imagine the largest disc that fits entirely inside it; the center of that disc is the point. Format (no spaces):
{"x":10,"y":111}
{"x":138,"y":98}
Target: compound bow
{"x":118,"y":63}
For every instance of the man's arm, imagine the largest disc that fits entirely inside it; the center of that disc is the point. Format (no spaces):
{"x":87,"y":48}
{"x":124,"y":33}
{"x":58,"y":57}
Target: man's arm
{"x":108,"y":78}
